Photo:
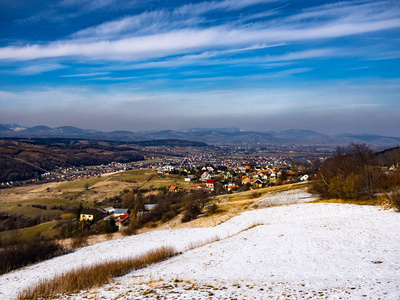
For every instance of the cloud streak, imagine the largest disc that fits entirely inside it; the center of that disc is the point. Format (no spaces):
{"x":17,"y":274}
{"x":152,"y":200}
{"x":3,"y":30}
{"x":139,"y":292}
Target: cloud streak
{"x":186,"y":41}
{"x":164,"y":37}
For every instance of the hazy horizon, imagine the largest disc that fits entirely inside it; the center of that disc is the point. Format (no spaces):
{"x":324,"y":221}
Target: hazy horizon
{"x":262,"y":65}
{"x":203,"y":129}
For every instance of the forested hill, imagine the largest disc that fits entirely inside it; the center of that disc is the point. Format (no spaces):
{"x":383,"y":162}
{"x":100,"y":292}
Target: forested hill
{"x":25,"y":159}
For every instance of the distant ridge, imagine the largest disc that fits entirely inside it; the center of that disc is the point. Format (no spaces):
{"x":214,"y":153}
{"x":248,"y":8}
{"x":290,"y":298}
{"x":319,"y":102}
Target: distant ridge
{"x":301,"y":133}
{"x":230,"y":136}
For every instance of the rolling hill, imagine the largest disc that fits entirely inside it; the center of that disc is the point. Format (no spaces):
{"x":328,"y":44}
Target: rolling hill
{"x":211,"y":136}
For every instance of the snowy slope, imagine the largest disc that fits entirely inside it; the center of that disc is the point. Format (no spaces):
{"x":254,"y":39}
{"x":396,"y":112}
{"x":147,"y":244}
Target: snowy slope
{"x":302,"y":250}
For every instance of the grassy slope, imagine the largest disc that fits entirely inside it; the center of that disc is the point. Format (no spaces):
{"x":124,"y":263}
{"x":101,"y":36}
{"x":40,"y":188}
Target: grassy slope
{"x":19,"y":201}
{"x":31,"y":232}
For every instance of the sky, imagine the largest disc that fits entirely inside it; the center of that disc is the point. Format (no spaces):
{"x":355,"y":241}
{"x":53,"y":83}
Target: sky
{"x":328,"y":66}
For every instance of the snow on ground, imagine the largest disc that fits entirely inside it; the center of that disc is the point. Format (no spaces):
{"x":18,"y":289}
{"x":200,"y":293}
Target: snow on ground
{"x":284,"y":198}
{"x":297,"y":251}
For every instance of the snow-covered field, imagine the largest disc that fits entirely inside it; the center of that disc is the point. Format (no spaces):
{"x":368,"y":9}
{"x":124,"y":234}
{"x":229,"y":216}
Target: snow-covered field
{"x":284,"y":198}
{"x":300,"y":251}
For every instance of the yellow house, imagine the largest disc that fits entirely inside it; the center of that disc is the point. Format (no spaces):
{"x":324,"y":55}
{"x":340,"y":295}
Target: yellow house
{"x":89,"y":214}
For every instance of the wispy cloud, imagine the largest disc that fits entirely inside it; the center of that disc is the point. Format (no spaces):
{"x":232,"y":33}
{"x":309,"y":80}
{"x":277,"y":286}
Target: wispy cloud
{"x":207,"y":6}
{"x":162,"y":33}
{"x":308,"y":54}
{"x":86,"y":74}
{"x":39,"y":68}
{"x":162,"y":20}
{"x":114,"y":78}
{"x":186,"y":41}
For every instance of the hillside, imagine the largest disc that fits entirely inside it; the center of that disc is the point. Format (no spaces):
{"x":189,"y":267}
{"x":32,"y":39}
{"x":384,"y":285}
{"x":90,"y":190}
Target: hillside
{"x":210,"y":136}
{"x":287,"y":251}
{"x":26,"y":159}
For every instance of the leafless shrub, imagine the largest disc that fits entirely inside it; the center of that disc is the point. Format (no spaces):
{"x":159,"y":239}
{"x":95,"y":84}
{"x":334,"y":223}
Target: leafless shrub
{"x":79,"y":241}
{"x":394,"y":200}
{"x":27,"y":252}
{"x":130,"y":230}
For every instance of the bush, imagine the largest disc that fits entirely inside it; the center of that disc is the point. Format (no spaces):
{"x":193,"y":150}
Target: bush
{"x":213,"y":209}
{"x":28,"y":252}
{"x":192,"y":210}
{"x":350,"y":175}
{"x":394,"y":200}
{"x":255,"y":195}
{"x":67,"y":216}
{"x":79,"y":240}
{"x":106,"y":226}
{"x":130,"y":230}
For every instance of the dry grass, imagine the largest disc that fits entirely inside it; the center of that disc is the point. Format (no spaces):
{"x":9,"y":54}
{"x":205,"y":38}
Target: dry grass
{"x":94,"y":276}
{"x":375,"y":202}
{"x":394,"y":200}
{"x":199,"y":244}
{"x":254,"y":194}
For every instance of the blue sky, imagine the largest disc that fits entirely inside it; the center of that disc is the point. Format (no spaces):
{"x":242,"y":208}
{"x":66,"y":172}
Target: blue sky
{"x":329,"y":66}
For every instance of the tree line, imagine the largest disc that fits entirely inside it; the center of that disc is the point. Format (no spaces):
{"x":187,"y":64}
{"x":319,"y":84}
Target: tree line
{"x":355,"y":173}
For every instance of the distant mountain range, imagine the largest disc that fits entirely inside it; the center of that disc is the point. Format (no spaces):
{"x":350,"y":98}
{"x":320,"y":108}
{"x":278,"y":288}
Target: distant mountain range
{"x":211,"y":136}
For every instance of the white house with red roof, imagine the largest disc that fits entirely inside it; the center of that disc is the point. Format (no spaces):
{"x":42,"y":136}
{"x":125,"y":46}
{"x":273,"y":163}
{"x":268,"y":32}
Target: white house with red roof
{"x":210,"y":183}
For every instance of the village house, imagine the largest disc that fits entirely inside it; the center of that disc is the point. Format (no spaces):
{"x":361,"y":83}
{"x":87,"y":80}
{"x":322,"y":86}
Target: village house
{"x":241,"y":169}
{"x":229,"y":174}
{"x":147,"y":208}
{"x":230,"y":186}
{"x":166,"y":169}
{"x":89,"y":214}
{"x":257,"y":183}
{"x":206,"y":176}
{"x":122,"y":218}
{"x":198,"y":188}
{"x":120,"y":211}
{"x":246,"y":179}
{"x":109,"y":210}
{"x":210,"y":184}
{"x":174,"y":189}
{"x":304,"y":177}
{"x":263,"y":175}
{"x":123,"y":221}
{"x":190,"y":178}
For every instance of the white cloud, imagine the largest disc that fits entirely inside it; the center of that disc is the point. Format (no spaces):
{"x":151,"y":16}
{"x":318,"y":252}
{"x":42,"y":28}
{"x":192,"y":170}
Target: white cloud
{"x":39,"y":68}
{"x":162,"y":33}
{"x":145,"y":23}
{"x":189,"y":40}
{"x":87,"y":74}
{"x":207,"y":6}
{"x":188,"y":15}
{"x":316,"y":53}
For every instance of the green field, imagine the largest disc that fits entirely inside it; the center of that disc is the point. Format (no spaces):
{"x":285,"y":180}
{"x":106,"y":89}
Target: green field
{"x":134,"y":176}
{"x":81,"y":183}
{"x":46,"y":229}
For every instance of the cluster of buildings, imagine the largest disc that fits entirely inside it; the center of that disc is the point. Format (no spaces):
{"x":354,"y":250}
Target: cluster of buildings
{"x":236,"y":178}
{"x":71,"y":173}
{"x":120,"y":215}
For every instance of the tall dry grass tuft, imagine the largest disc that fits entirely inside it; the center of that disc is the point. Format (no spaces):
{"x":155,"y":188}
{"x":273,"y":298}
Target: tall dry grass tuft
{"x":194,"y":245}
{"x":94,"y":276}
